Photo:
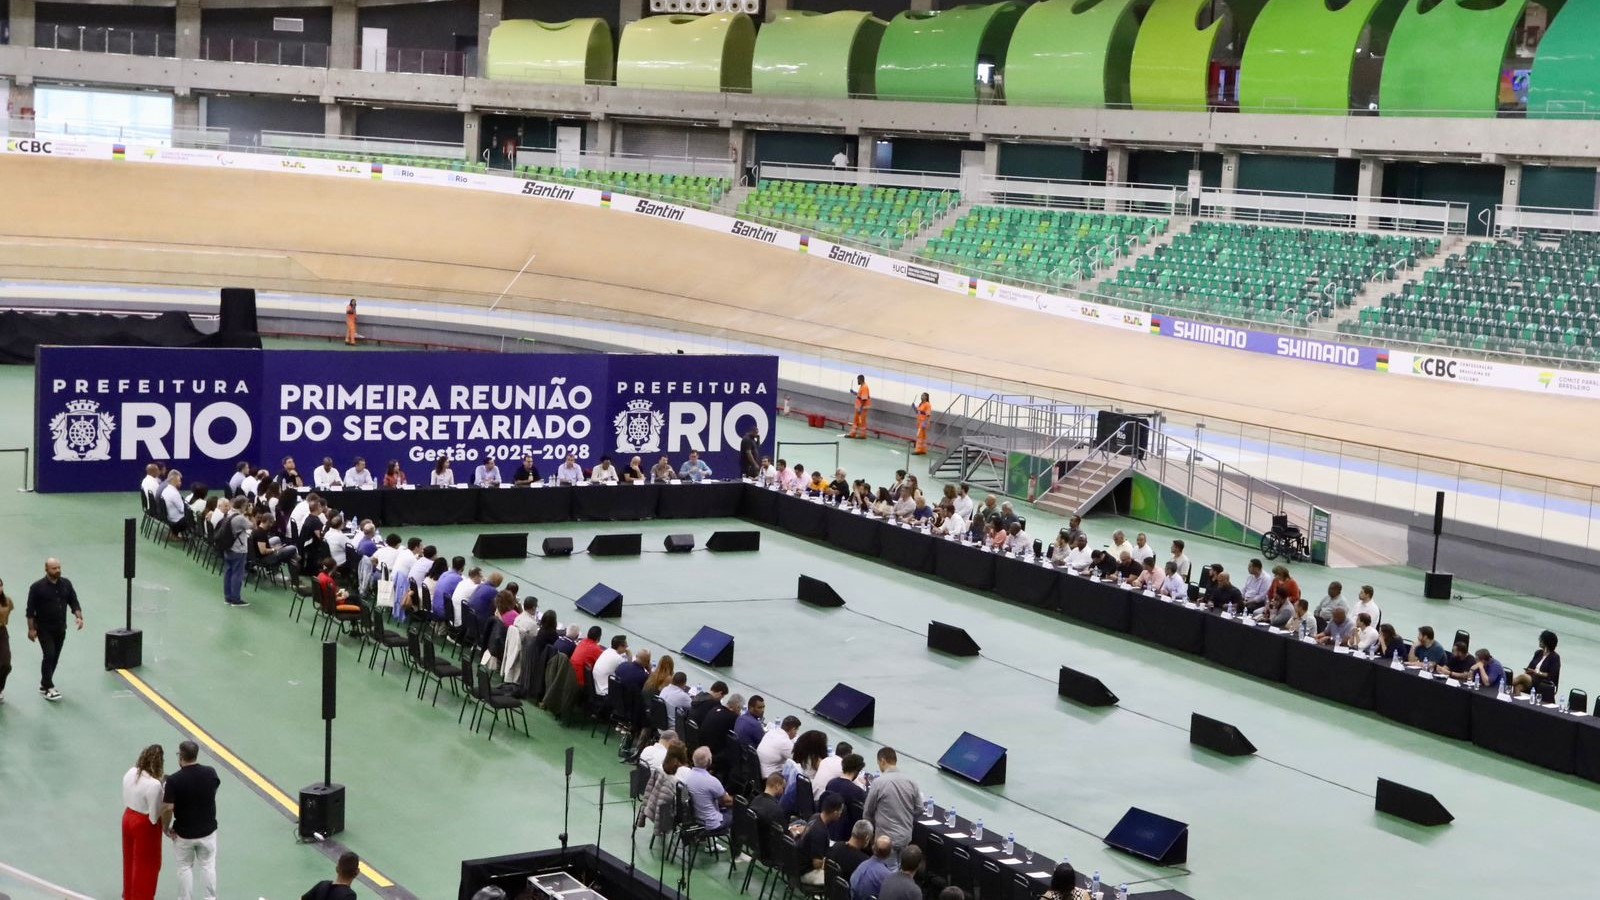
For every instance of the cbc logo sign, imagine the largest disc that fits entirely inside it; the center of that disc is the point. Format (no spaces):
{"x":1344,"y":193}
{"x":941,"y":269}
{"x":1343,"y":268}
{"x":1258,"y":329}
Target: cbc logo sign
{"x":30,"y":146}
{"x":1434,"y":367}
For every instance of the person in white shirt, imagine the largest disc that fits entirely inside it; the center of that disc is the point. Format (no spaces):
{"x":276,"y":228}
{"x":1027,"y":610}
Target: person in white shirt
{"x":694,"y":468}
{"x":948,"y":521}
{"x":141,"y":823}
{"x":830,"y":768}
{"x":1120,"y":545}
{"x":1255,"y":587}
{"x":605,"y":473}
{"x":302,"y":510}
{"x":1364,"y":604}
{"x":442,"y":476}
{"x":223,"y":509}
{"x":1365,"y":636}
{"x":383,"y":557}
{"x":777,"y":746}
{"x":150,"y":485}
{"x":1079,"y":557}
{"x":905,"y":505}
{"x":422,"y":566}
{"x":326,"y":477}
{"x":1142,"y":549}
{"x":172,"y":501}
{"x":963,"y":503}
{"x":1020,"y":542}
{"x":236,"y":480}
{"x":1173,"y":585}
{"x":338,"y":542}
{"x":656,"y":754}
{"x":569,"y":472}
{"x":251,"y":485}
{"x":464,"y":589}
{"x":358,"y":476}
{"x":487,"y":474}
{"x":841,"y":160}
{"x":607,"y":663}
{"x":1181,"y":561}
{"x":400,"y":569}
{"x":768,"y":476}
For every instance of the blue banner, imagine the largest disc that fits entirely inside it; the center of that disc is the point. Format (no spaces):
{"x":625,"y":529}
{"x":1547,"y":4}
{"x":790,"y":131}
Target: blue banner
{"x":103,"y":413}
{"x":1331,"y":353}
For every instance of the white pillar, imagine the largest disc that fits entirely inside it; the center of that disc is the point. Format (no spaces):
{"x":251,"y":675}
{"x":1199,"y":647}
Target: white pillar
{"x":1511,"y":187}
{"x":1230,"y":171}
{"x":1116,"y":172}
{"x":338,"y":120}
{"x":23,"y":28}
{"x":489,"y":13}
{"x":471,"y":139}
{"x":342,"y":47}
{"x":188,"y":29}
{"x":1369,"y":186}
{"x":628,"y":11}
{"x":186,"y":112}
{"x":21,"y":105}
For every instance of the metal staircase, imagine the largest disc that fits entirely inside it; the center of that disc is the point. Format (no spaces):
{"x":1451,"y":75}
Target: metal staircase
{"x":1095,"y":473}
{"x":979,"y":434}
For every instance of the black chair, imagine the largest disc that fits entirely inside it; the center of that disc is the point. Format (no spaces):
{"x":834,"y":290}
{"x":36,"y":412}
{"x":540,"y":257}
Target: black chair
{"x":962,"y":873}
{"x":381,"y":638}
{"x":689,"y":731}
{"x":769,"y":859}
{"x":741,"y":838}
{"x":594,"y":706}
{"x":1463,"y":637}
{"x":441,"y":670}
{"x":746,"y":780}
{"x":1578,"y":700}
{"x":414,"y":665}
{"x":937,"y":856}
{"x":638,"y":780}
{"x":991,"y":879}
{"x":1022,"y":887}
{"x":624,"y":703}
{"x":837,"y":887}
{"x":659,"y":714}
{"x":498,"y":703}
{"x":330,"y":612}
{"x":470,"y":696}
{"x":793,"y":866}
{"x":805,"y":798}
{"x":688,"y":834}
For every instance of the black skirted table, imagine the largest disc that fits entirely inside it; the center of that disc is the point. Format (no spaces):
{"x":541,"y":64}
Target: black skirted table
{"x":1554,"y":740}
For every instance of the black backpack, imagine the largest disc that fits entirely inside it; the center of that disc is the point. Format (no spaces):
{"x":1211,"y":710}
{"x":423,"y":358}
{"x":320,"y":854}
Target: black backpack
{"x":222,"y":537}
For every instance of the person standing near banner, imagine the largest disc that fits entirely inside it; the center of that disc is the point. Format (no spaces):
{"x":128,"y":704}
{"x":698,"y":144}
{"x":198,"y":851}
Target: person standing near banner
{"x":141,"y":825}
{"x":49,"y":598}
{"x":924,"y":410}
{"x":863,"y":395}
{"x":350,"y":323}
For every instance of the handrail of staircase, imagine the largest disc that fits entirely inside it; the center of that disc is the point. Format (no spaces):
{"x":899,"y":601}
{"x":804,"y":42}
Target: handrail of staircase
{"x":952,"y":428}
{"x":1192,"y":460}
{"x":1099,"y":456}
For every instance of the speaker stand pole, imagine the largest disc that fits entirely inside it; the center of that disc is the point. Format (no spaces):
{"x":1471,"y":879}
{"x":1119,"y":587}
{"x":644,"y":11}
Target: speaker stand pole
{"x":566,"y":807}
{"x":1435,"y":566}
{"x":599,"y":827}
{"x":327,"y":752}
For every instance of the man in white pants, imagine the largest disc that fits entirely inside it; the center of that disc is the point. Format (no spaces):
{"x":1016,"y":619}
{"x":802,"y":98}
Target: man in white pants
{"x":189,"y":815}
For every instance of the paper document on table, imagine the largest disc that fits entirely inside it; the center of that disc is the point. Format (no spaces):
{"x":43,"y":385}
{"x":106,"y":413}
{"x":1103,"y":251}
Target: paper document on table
{"x":1038,"y":874}
{"x":1010,"y":862}
{"x":927,"y":821}
{"x":988,"y":849}
{"x":956,"y":834}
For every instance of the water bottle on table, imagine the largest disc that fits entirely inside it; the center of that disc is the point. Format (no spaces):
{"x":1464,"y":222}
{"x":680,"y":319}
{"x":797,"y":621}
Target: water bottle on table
{"x":1094,"y":884}
{"x":1011,"y":843}
{"x":927,"y":806}
{"x":1122,"y":891}
{"x":977,"y":830}
{"x":950,"y":817}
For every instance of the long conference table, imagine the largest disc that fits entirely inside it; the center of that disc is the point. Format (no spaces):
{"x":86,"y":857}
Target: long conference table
{"x":1543,"y":736}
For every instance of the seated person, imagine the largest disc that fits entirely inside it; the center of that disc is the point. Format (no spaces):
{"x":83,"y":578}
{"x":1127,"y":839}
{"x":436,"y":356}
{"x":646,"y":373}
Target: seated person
{"x":997,"y":536}
{"x":1079,"y":557}
{"x":712,"y":802}
{"x":1543,"y":670}
{"x":1324,"y":610}
{"x":358,"y":476}
{"x":1257,"y":588}
{"x":883,"y":507}
{"x":634,"y":473}
{"x":569,"y":472}
{"x":605,"y":473}
{"x":904,"y":505}
{"x":840,"y":486}
{"x":440,"y":477}
{"x":814,"y":840}
{"x":788,"y":480}
{"x":394,"y":476}
{"x":1128,"y":568}
{"x":768,"y":812}
{"x":341,"y":601}
{"x":947,"y":521}
{"x":1059,"y":549}
{"x":1460,"y":664}
{"x":1173,"y":586}
{"x":861,"y":495}
{"x":1364,"y":604}
{"x":1018,"y":541}
{"x":1365,"y":638}
{"x":1426,"y":651}
{"x":662,"y":472}
{"x":869,"y":877}
{"x":1103,"y":564}
{"x":849,"y":854}
{"x":816,"y":487}
{"x":527,"y":473}
{"x":1389,"y":643}
{"x":487,"y":474}
{"x":694,"y":469}
{"x":1223,"y":595}
{"x":1150,"y":576}
{"x":922,"y":513}
{"x":1279,"y":606}
{"x":326,"y":477}
{"x":1487,"y":671}
{"x":1338,"y":629}
{"x":767,"y":473}
{"x":1300,"y":621}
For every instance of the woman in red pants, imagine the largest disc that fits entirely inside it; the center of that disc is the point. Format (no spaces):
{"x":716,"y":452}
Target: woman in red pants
{"x":141,"y":826}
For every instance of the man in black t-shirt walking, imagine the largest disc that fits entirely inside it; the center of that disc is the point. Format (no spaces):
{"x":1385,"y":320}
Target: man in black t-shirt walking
{"x":189,"y":813}
{"x":49,"y":598}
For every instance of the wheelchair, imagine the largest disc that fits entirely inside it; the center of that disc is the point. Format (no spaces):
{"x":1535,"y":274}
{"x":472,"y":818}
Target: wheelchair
{"x":1285,"y":540}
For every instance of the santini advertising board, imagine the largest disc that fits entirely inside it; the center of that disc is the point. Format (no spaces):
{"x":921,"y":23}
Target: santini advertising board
{"x":102,"y":413}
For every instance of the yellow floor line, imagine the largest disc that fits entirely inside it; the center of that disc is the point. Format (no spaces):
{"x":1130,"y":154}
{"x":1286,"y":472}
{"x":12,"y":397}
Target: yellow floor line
{"x":238,"y":765}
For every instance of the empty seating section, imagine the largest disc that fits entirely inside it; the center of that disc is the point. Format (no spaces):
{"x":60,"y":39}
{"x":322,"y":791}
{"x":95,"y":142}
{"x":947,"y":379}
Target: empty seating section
{"x":1042,"y":246}
{"x":1524,"y":295}
{"x":1266,"y":273}
{"x":881,"y":216}
{"x":703,"y":190}
{"x":419,"y":162}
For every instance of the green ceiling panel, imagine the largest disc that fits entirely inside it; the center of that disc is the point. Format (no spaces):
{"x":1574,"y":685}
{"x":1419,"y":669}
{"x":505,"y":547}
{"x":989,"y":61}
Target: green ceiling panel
{"x":687,"y":53}
{"x":574,"y":52}
{"x":1171,"y":65}
{"x":1301,"y":53}
{"x":808,"y":54}
{"x":1566,"y":73}
{"x":1445,"y":56}
{"x":934,"y":55}
{"x":1072,"y":53}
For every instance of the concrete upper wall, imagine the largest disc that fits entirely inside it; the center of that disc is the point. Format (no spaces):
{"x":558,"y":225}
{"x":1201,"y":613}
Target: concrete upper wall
{"x":85,"y":221}
{"x":1473,"y":139}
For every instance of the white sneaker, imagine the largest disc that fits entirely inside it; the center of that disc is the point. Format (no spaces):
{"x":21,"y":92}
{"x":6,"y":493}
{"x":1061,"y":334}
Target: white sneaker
{"x":52,"y":695}
{"x":742,"y":859}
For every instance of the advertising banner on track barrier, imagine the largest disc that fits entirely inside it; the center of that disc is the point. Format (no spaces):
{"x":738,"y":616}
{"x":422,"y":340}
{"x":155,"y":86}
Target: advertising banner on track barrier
{"x":103,"y":413}
{"x":1332,"y":353}
{"x":1493,"y":374}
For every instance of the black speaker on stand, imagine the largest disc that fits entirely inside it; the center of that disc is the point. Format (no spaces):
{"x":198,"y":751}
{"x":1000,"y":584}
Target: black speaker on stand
{"x":322,"y":804}
{"x":125,"y":645}
{"x":1437,"y":585}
